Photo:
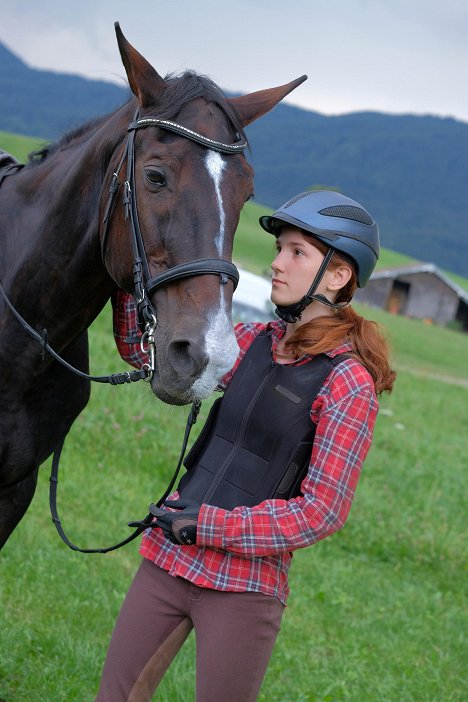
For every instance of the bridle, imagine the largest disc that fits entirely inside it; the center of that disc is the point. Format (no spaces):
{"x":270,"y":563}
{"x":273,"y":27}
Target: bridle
{"x":143,"y":284}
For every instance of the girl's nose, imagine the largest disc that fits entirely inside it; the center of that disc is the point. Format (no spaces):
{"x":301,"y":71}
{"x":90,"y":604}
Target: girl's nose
{"x":276,"y":263}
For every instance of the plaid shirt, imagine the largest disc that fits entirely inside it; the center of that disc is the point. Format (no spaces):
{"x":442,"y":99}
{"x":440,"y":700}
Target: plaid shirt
{"x":250,"y":548}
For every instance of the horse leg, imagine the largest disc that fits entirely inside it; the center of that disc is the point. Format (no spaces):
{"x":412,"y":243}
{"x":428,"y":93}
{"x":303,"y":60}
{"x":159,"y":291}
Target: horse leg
{"x":14,"y":501}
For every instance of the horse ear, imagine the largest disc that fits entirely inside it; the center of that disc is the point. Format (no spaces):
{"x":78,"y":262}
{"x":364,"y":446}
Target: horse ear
{"x":251,"y":107}
{"x":144,"y":81}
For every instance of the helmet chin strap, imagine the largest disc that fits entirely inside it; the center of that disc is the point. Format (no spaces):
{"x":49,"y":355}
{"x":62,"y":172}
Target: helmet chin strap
{"x":292,"y":313}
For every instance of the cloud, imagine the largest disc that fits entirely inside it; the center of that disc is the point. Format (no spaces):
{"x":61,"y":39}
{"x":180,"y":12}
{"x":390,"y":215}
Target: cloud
{"x":399,"y":56}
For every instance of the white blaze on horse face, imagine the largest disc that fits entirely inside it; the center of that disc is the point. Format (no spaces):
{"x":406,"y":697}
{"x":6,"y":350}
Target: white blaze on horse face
{"x":221,"y":346}
{"x":221,"y":349}
{"x":215,"y":166}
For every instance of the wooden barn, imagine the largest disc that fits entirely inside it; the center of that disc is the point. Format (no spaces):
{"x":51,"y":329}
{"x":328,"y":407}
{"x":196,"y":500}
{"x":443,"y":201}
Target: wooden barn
{"x":418,"y":290}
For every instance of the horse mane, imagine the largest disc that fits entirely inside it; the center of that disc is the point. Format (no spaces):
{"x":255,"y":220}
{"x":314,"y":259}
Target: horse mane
{"x":180,"y":89}
{"x":40,"y":155}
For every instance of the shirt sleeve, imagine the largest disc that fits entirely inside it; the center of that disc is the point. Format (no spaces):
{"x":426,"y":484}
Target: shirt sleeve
{"x":345,"y":413}
{"x":127,"y":334}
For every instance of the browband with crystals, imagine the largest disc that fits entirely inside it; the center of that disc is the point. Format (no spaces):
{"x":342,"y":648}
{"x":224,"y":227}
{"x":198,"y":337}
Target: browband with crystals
{"x":237,"y":147}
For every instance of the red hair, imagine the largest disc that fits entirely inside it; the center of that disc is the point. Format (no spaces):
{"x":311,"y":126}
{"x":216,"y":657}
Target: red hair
{"x":322,"y":334}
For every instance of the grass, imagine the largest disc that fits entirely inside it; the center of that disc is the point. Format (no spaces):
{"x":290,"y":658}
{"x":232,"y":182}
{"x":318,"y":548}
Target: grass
{"x":377,"y":612}
{"x":19,"y":146}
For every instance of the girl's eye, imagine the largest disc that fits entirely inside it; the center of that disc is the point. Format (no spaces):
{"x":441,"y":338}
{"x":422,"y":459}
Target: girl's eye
{"x":298,"y":252}
{"x":155,"y":176}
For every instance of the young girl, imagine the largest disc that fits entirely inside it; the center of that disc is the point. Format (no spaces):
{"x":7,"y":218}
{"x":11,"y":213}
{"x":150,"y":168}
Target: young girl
{"x":274,"y":469}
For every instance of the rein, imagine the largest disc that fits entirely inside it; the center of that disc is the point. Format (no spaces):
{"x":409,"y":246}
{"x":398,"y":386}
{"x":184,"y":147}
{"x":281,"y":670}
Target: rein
{"x":140,"y":526}
{"x":113,"y":379}
{"x":143,"y":285}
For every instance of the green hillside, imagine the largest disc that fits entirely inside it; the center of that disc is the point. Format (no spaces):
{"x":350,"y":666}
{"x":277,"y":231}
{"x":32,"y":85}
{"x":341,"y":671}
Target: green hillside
{"x":253,"y":248}
{"x":19,"y":146}
{"x":408,"y":170}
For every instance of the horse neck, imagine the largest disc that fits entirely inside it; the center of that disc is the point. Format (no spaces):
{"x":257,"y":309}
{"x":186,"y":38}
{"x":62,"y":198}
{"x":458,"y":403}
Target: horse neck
{"x":53,"y":257}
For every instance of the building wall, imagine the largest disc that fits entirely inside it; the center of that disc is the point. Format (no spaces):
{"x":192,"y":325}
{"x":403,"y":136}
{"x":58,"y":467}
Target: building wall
{"x":375,"y":293}
{"x":428,"y":297}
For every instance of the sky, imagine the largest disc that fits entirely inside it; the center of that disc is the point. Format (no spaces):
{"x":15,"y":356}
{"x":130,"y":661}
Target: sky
{"x":396,"y":56}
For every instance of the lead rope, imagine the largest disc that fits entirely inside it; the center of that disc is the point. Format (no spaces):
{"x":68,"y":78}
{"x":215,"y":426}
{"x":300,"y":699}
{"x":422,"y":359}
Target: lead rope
{"x":144,"y":373}
{"x":140,"y":525}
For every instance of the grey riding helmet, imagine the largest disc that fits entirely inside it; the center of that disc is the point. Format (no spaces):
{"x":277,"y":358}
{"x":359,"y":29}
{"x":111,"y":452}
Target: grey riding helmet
{"x":337,"y":221}
{"x":340,"y":223}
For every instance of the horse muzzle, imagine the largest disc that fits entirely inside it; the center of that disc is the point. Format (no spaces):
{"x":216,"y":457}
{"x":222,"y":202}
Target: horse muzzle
{"x":189,"y":369}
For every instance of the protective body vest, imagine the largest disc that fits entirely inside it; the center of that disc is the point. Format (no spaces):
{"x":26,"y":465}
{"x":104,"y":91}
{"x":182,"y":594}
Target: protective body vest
{"x":257,"y":440}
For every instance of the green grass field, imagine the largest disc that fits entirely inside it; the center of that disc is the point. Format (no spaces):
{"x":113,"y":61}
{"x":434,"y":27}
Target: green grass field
{"x":377,"y":612}
{"x":19,"y":146}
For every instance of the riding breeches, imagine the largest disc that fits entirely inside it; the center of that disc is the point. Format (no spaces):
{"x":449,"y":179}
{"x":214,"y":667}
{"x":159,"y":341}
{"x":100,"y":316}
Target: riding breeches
{"x":235,"y":635}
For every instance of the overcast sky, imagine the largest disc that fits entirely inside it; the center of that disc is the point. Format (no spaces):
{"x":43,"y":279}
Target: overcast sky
{"x":393,"y":56}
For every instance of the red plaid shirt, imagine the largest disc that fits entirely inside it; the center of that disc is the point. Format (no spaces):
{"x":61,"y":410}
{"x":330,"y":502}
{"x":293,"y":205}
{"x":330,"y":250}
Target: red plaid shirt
{"x":250,"y":548}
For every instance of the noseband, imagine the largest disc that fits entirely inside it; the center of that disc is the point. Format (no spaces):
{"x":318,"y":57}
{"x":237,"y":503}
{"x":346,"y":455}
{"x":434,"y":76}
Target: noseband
{"x":143,"y":284}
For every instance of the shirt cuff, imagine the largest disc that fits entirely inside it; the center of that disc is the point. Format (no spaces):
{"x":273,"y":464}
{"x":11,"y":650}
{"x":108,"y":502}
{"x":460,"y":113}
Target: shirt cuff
{"x":211,"y":526}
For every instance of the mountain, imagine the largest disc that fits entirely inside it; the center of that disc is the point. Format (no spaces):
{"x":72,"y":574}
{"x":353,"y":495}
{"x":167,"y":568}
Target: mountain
{"x":44,"y":103}
{"x":410,"y":171}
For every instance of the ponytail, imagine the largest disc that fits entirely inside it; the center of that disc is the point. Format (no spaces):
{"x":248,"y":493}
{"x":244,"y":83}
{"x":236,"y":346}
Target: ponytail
{"x":369,"y":346}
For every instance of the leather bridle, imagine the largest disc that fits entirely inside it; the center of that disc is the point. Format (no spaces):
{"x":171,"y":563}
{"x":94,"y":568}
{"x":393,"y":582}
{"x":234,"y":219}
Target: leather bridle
{"x":144,"y":284}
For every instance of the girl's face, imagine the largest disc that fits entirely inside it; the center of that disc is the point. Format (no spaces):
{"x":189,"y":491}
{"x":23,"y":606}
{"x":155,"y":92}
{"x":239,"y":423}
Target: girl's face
{"x":295,"y":267}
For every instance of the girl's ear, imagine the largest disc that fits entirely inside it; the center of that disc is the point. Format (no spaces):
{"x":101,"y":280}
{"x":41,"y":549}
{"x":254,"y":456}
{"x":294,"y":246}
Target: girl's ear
{"x":339,"y":277}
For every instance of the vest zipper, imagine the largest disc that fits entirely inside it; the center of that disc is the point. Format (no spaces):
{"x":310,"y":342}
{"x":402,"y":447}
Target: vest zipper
{"x":235,"y":447}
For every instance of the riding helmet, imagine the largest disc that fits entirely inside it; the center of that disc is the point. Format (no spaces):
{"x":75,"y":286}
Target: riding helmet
{"x":336,"y":220}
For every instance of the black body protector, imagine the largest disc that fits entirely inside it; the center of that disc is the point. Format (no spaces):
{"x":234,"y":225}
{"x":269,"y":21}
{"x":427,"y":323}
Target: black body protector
{"x":257,"y":441}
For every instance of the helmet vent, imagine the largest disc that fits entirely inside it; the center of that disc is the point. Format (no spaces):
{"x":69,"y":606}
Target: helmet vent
{"x":348,"y":212}
{"x":294,"y":199}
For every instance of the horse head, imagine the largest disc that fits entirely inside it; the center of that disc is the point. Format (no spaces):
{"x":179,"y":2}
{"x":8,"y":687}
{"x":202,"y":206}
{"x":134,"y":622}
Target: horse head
{"x":190,"y":180}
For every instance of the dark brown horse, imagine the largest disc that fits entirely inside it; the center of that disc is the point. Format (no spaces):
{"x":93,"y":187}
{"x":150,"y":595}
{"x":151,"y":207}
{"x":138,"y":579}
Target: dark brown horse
{"x":66,"y":244}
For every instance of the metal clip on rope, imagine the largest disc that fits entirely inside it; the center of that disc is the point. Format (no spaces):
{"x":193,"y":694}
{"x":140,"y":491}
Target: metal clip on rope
{"x":150,"y":347}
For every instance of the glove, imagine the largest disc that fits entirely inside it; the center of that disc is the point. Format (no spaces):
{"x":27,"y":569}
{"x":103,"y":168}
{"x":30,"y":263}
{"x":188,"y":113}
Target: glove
{"x":179,"y":527}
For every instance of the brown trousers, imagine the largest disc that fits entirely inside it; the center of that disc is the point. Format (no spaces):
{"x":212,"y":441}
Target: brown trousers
{"x":235,"y":635}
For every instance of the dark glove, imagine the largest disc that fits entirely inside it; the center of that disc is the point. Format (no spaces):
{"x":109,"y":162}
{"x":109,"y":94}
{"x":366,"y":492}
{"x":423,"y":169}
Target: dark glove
{"x":179,"y":527}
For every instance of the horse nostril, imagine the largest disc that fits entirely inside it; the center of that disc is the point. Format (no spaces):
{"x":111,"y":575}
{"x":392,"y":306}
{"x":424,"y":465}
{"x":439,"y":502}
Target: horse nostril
{"x":186,"y":359}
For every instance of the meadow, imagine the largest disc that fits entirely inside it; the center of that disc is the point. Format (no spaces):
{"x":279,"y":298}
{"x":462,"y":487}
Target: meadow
{"x":377,"y":612}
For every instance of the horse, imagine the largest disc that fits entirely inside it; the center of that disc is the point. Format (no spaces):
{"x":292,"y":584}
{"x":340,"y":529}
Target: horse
{"x":173,"y":154}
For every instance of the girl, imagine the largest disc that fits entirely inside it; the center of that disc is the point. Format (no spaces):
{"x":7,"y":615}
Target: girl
{"x":274,"y":469}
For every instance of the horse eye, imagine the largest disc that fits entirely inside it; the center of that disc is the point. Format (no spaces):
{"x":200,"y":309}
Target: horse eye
{"x":155,"y":176}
